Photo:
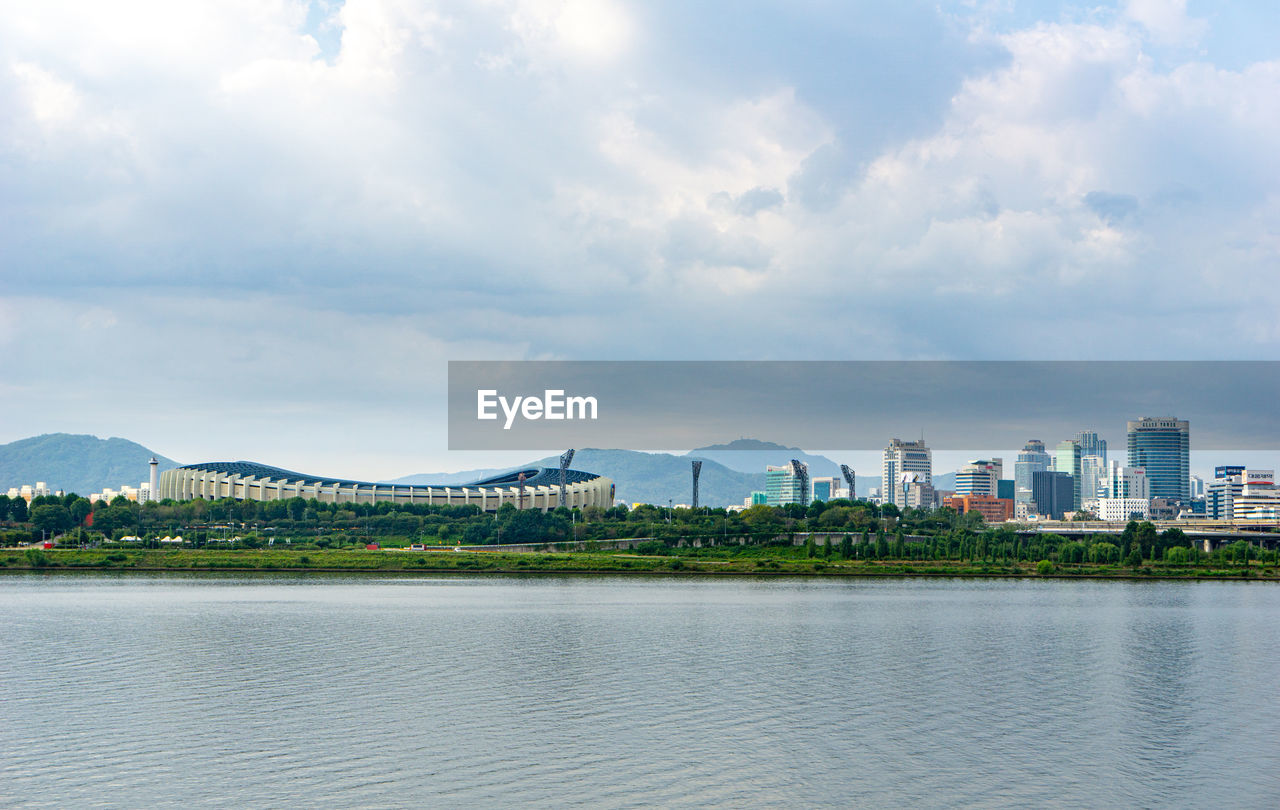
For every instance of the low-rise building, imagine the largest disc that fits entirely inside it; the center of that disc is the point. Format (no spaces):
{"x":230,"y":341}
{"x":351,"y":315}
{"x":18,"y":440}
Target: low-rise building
{"x":1122,"y":509}
{"x":993,"y":510}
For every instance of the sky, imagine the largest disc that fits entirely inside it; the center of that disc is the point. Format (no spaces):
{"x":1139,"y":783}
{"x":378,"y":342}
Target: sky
{"x":259,"y":230}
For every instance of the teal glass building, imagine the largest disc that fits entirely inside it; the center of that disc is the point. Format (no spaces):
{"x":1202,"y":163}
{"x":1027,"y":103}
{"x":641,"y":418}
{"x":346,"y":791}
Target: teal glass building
{"x":1162,"y":445}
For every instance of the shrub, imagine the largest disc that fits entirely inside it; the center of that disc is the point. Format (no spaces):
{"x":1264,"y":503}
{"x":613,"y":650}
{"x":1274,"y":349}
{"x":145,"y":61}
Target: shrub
{"x":1044,"y":567}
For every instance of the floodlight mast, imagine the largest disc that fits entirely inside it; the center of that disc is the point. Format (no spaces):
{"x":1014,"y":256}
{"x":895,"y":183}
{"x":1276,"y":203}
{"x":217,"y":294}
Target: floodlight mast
{"x":849,"y":478}
{"x":565,"y":460}
{"x":697,"y":471}
{"x":801,"y":471}
{"x":520,"y":500}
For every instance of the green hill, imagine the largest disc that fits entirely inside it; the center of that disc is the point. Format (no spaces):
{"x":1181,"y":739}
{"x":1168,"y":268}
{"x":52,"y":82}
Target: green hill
{"x":76,"y":462}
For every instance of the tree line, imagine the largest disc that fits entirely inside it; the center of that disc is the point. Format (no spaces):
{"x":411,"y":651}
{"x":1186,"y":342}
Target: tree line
{"x":869,"y":531}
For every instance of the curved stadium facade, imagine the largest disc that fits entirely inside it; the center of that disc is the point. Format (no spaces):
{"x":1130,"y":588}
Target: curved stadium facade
{"x":245,"y":480}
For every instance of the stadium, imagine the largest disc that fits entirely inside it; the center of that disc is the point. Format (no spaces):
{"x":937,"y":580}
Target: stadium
{"x":245,"y":480}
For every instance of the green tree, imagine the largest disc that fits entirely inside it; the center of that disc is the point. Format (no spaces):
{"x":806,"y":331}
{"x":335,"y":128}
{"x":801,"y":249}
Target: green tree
{"x":1177,"y":555}
{"x":1134,"y":560}
{"x":80,"y":509}
{"x":1104,"y":552}
{"x":52,"y":519}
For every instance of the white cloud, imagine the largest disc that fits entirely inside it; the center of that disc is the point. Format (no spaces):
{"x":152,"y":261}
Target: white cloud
{"x":514,"y":179}
{"x":1166,"y":21}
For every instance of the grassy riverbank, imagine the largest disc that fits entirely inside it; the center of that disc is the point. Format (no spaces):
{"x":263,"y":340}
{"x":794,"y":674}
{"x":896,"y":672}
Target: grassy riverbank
{"x":783,"y":562}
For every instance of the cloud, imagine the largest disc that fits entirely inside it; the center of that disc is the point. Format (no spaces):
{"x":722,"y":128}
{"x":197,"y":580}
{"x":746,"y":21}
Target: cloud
{"x":610,"y":179}
{"x":1166,"y":21}
{"x":1113,"y":208}
{"x":748,"y":203}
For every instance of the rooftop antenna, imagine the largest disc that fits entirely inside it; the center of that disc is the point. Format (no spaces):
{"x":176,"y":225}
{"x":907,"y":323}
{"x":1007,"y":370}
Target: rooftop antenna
{"x":565,"y":460}
{"x":697,"y":471}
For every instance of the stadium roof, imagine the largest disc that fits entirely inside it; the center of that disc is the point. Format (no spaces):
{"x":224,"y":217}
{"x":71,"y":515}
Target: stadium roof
{"x":534,"y":476}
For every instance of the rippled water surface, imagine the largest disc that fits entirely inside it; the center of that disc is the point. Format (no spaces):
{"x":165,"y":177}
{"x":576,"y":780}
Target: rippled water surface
{"x":620,"y":692}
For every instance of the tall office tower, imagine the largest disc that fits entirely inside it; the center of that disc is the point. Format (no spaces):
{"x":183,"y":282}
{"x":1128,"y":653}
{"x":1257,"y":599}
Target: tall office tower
{"x":980,"y":477}
{"x":1093,"y":474}
{"x":1032,"y":459}
{"x":1197,"y":487}
{"x":1052,"y":492}
{"x":1091,"y":445}
{"x":1066,"y":459}
{"x":1162,"y":446}
{"x":904,"y":457}
{"x":786,"y":484}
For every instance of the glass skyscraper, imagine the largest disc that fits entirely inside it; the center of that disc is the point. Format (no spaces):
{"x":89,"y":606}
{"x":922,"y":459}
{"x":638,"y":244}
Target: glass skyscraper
{"x":1032,"y":459}
{"x":1162,"y":445}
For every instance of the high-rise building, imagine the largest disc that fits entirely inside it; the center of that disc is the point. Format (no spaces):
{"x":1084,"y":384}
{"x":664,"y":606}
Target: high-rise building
{"x":1066,"y":459}
{"x":1033,"y":458}
{"x":1197,"y":487}
{"x":1052,"y":492}
{"x":1093,"y":473}
{"x":911,"y":458}
{"x":1162,"y":446}
{"x":980,"y":477}
{"x":786,"y":484}
{"x":1091,"y":445}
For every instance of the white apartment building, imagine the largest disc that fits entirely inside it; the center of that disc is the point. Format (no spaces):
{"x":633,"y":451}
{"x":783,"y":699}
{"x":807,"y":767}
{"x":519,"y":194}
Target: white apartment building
{"x":1122,"y":509}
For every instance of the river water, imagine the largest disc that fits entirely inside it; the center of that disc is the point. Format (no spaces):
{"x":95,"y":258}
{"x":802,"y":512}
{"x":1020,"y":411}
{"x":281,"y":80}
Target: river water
{"x":253,"y":691}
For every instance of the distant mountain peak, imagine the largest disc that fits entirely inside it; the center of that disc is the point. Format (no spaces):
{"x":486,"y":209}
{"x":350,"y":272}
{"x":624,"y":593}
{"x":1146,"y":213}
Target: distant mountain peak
{"x":744,"y":445}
